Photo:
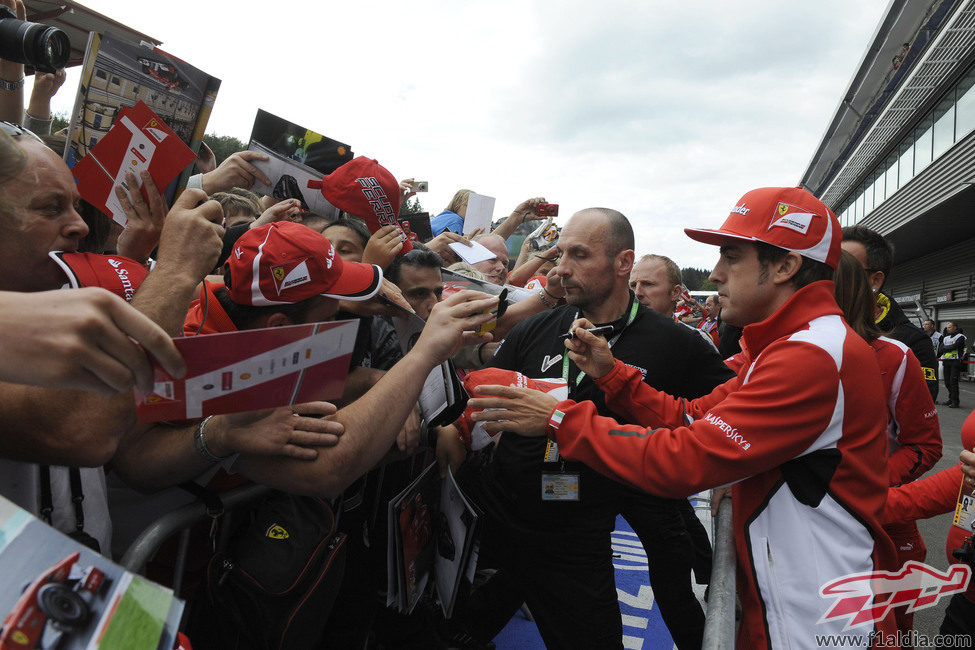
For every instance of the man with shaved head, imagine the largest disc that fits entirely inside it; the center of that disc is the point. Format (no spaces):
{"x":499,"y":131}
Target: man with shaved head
{"x":551,"y":519}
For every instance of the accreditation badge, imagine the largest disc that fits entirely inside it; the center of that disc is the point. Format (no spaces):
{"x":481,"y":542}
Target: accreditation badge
{"x":965,"y":509}
{"x":560,"y":486}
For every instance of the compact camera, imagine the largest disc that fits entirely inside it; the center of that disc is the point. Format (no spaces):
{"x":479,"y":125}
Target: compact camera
{"x":421,"y":186}
{"x":547,"y":209}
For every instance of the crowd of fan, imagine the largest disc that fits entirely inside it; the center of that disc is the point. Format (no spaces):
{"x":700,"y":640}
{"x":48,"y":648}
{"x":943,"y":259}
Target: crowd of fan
{"x":71,"y":359}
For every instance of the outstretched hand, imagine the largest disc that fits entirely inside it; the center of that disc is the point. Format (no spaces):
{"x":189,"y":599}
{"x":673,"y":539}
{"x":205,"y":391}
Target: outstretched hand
{"x":588,"y":351}
{"x":144,"y":218}
{"x":521,"y":410}
{"x":291,"y":431}
{"x":968,"y":466}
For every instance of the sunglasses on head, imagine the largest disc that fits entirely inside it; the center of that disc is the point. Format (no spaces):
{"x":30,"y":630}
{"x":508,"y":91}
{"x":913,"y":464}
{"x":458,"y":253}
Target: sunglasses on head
{"x":16,"y":130}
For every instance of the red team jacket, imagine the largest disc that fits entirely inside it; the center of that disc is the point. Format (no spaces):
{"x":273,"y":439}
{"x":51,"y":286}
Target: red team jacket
{"x":801,"y":429}
{"x":935,"y":495}
{"x":913,"y":431}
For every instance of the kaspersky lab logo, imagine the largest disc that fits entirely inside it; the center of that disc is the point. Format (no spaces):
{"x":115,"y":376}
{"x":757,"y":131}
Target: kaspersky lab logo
{"x":865,"y":598}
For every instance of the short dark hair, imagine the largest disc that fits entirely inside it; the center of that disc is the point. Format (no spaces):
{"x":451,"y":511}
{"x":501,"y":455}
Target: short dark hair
{"x":810,"y":271}
{"x":420,"y":256}
{"x":243,"y":316}
{"x":619,"y":235}
{"x":880,"y":252}
{"x":358,"y":226}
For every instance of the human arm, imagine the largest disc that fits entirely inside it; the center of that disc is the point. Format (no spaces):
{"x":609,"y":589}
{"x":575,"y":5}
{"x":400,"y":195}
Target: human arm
{"x":157,"y":456}
{"x":12,"y":101}
{"x":286,"y":210}
{"x":737,"y":438}
{"x":145,"y":219}
{"x":926,"y":497}
{"x":372,"y":422}
{"x":441,"y":245}
{"x":383,"y":247}
{"x":237,"y":170}
{"x":528,"y":267}
{"x":517,"y":217}
{"x":189,"y":245}
{"x":80,"y":340}
{"x":38,"y":115}
{"x":916,"y":419}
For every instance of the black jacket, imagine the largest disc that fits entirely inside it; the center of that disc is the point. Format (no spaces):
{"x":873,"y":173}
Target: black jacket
{"x":893,"y":322}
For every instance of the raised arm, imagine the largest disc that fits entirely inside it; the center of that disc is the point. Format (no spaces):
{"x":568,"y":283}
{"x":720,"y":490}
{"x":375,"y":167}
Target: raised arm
{"x":373,"y":421}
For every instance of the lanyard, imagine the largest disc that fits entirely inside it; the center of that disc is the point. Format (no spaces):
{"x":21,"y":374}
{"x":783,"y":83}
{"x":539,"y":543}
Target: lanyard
{"x":629,"y":321}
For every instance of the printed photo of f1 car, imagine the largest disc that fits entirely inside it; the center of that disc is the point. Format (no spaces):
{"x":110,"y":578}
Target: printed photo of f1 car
{"x":164,"y":73}
{"x":60,"y":602}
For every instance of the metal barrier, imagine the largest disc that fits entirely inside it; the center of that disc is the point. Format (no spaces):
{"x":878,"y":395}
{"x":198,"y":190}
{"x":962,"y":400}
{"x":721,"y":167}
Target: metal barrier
{"x":149,"y":540}
{"x":719,"y":623}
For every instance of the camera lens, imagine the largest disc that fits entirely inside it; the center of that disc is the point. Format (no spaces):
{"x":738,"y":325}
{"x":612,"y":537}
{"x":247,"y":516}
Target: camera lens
{"x":44,"y":48}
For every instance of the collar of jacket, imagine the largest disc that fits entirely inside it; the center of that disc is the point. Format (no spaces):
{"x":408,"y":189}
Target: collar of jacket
{"x":206,"y":311}
{"x":812,"y":301}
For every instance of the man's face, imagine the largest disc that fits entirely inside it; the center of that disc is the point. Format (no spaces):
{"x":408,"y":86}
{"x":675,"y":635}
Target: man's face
{"x":40,"y":215}
{"x":422,"y":287}
{"x":653,"y":288}
{"x":951,"y":328}
{"x":859,"y":251}
{"x":587,"y":274}
{"x":347,"y":243}
{"x":745,"y":293}
{"x":928,"y":327}
{"x":496,"y":268}
{"x":711,"y":306}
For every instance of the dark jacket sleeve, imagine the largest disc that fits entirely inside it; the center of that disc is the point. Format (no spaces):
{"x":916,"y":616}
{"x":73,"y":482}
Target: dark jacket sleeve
{"x":924,"y":351}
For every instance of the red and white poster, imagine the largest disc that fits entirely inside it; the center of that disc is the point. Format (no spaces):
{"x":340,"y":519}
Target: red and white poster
{"x":138,"y":141}
{"x":253,"y":369}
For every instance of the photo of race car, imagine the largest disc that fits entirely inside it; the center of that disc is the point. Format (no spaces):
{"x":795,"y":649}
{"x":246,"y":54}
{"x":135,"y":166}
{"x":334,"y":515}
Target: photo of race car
{"x":56,"y":604}
{"x":164,"y":73}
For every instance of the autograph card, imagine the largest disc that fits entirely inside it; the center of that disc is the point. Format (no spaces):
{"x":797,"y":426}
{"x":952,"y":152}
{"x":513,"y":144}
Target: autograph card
{"x":251,"y":370}
{"x":138,"y":141}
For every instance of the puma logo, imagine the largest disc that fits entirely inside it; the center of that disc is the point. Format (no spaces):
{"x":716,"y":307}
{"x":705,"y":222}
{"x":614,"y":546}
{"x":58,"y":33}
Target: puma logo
{"x":548,"y":361}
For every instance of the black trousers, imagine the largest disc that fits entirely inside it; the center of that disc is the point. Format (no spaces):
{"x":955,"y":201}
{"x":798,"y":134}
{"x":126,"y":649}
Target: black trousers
{"x":671,"y":554}
{"x":959,"y":619}
{"x":952,"y":375}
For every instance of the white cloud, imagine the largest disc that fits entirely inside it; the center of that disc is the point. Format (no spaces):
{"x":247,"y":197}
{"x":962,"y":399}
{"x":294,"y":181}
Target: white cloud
{"x":666,"y":111}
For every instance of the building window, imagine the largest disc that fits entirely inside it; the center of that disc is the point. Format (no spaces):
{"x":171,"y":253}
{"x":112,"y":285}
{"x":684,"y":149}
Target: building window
{"x":944,"y":125}
{"x":905,"y":168}
{"x":965,"y":118}
{"x":891,"y":176}
{"x":924,"y":134}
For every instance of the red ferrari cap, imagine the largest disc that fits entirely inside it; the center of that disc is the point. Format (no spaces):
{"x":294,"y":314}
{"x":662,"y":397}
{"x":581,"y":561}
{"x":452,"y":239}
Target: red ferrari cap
{"x":365,"y":189}
{"x":284,"y":263}
{"x":787,"y":217}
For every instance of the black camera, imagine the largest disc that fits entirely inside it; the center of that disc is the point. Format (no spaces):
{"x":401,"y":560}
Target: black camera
{"x":966,"y":553}
{"x":44,"y":48}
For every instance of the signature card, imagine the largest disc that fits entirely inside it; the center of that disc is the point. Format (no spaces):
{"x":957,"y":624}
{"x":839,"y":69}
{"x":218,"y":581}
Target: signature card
{"x":138,"y":141}
{"x":253,"y":369}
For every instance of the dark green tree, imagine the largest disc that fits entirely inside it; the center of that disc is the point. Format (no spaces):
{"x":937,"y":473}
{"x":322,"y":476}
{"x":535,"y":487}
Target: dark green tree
{"x":697,"y":279}
{"x":223,"y":145}
{"x":412,"y":206}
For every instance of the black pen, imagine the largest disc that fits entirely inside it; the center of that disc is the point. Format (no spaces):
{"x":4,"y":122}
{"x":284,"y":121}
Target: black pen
{"x":598,"y":331}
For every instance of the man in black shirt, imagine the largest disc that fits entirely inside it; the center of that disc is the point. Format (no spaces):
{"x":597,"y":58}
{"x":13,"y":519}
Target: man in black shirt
{"x":550,"y":520}
{"x":876,"y":255}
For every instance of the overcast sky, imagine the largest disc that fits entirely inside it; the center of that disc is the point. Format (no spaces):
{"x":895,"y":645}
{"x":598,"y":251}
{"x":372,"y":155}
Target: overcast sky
{"x":666,"y":111}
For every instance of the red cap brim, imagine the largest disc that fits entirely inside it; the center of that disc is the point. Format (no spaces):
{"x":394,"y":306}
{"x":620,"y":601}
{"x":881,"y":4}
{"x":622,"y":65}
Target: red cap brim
{"x":714,"y":237}
{"x":358,"y":282}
